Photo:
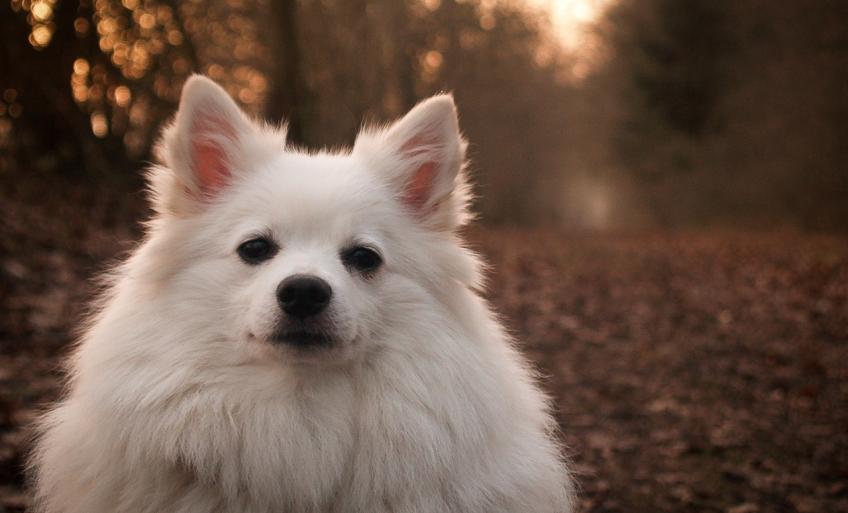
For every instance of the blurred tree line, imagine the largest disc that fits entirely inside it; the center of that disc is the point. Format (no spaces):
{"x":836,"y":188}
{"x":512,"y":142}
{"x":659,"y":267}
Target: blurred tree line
{"x":729,"y":111}
{"x":692,"y":112}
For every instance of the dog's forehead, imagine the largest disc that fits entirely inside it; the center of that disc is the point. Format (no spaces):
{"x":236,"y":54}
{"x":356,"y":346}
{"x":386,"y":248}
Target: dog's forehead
{"x":311,"y":191}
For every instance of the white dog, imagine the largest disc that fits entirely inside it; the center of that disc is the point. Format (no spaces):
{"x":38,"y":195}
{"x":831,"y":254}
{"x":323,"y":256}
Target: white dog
{"x":300,"y":333}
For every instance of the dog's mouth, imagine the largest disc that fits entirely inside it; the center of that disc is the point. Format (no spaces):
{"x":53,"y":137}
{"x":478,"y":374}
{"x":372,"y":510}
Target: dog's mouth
{"x":303,"y":339}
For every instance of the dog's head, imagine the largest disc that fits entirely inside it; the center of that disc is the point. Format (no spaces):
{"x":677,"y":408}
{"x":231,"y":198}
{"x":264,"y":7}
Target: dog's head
{"x":315,"y":255}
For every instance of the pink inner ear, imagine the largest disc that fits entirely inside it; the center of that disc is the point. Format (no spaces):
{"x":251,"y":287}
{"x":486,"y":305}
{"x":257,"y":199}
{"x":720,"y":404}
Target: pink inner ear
{"x":420,"y":187}
{"x":211,"y":162}
{"x":211,"y":166}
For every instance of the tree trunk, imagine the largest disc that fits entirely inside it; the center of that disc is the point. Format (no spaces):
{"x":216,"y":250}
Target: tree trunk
{"x":288,"y":98}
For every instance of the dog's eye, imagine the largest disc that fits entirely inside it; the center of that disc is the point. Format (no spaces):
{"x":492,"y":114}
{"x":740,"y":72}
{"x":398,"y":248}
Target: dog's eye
{"x":256,"y":250}
{"x":362,"y":259}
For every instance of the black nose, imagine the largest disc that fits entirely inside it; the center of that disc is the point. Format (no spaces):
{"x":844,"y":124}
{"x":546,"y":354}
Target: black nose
{"x":303,"y":296}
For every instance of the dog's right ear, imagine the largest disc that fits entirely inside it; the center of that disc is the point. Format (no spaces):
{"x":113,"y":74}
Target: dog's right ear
{"x":203,"y":150}
{"x":421,"y":157}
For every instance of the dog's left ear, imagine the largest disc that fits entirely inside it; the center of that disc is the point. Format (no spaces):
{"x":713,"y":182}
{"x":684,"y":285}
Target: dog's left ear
{"x":422,"y":156}
{"x":210,"y":142}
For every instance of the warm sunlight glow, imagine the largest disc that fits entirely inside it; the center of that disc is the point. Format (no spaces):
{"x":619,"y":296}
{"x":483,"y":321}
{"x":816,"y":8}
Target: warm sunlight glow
{"x":573,"y":22}
{"x":572,"y":19}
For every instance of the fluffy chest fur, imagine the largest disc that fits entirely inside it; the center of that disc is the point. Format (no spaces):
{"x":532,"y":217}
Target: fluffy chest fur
{"x":402,"y":430}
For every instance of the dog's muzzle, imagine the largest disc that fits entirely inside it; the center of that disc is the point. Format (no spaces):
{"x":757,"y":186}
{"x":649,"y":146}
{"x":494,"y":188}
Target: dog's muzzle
{"x":304,"y":300}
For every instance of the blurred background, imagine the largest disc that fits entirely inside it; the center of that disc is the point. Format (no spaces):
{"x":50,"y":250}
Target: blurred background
{"x":662,"y":187}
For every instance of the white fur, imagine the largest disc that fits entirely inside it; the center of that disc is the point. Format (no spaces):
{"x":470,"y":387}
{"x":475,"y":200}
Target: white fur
{"x":177,"y":403}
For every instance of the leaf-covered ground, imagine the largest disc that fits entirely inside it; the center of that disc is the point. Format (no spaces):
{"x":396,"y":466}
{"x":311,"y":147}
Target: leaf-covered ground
{"x":691,"y":372}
